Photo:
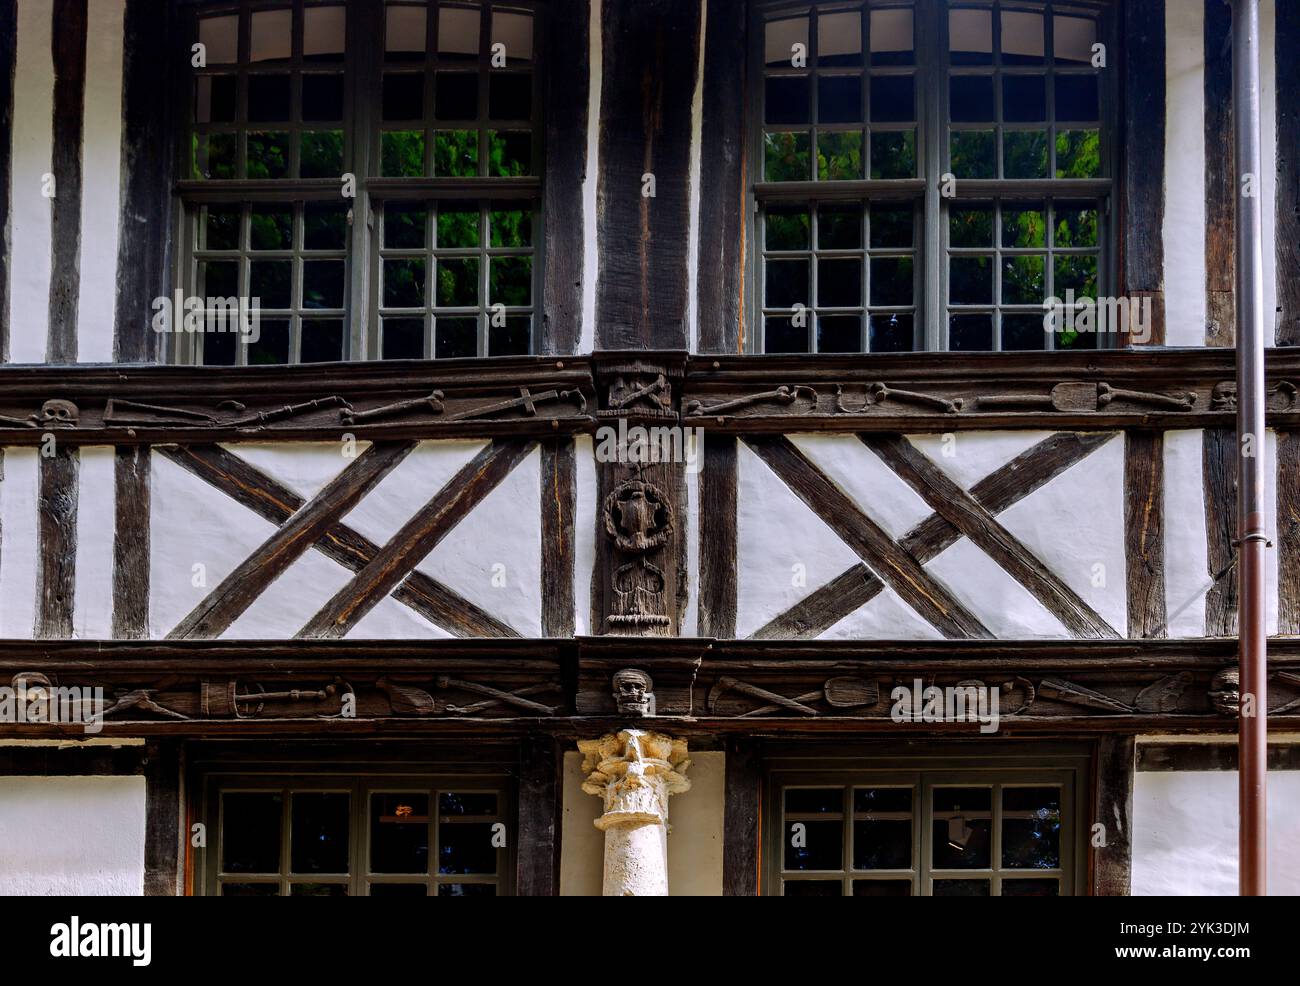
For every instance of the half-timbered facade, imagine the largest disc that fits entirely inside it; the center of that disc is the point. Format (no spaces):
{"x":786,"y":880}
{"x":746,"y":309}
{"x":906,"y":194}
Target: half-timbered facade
{"x":418,"y":417}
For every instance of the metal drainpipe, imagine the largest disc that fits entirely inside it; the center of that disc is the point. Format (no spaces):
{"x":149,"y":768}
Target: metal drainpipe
{"x":1253,"y":724}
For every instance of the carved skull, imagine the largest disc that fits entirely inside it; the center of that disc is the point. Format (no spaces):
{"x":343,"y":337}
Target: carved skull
{"x":57,"y":413}
{"x":1225,"y":692}
{"x":632,"y":692}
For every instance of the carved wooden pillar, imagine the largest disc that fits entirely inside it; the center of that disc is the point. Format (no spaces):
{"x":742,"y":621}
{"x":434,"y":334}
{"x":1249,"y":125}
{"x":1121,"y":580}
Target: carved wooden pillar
{"x":640,"y":453}
{"x":635,"y":772}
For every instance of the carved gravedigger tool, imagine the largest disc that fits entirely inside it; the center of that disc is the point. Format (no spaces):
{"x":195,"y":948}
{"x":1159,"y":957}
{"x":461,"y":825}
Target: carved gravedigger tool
{"x":1084,"y":397}
{"x":840,"y":693}
{"x":728,"y":684}
{"x":444,"y":682}
{"x":432,"y":403}
{"x":526,"y":399}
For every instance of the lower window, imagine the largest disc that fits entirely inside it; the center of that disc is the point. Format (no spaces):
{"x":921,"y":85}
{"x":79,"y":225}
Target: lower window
{"x":372,"y":836}
{"x":942,"y":833}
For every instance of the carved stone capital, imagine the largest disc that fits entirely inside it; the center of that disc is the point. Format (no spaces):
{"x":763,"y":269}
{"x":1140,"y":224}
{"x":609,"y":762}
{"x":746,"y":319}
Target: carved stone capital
{"x":634,"y":771}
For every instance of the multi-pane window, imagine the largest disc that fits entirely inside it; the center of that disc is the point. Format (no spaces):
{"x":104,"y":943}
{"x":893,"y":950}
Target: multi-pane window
{"x":953,"y":834}
{"x":932,"y":173}
{"x":371,"y":837}
{"x":370,"y":174}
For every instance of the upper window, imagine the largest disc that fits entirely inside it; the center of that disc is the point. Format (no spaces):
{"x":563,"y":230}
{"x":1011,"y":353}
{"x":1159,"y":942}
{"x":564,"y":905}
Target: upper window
{"x":932,"y":173}
{"x":365,"y":176}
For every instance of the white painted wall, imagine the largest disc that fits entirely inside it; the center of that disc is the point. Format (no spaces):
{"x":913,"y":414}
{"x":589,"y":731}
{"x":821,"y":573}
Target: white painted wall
{"x":29,"y":211}
{"x":18,"y":492}
{"x":1185,"y":833}
{"x":1184,"y":225}
{"x":72,"y":835}
{"x":694,"y":832}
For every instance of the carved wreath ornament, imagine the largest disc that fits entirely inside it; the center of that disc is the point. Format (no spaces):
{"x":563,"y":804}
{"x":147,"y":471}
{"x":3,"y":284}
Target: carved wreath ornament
{"x":638,"y":517}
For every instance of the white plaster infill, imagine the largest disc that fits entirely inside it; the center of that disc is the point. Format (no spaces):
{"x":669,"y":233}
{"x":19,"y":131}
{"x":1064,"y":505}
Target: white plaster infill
{"x":635,"y":772}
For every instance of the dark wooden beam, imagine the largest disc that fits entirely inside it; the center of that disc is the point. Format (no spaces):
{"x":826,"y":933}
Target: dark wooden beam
{"x":8,"y":61}
{"x":567,"y":27}
{"x":1112,"y":864}
{"x":1144,"y":532}
{"x":977,"y":523}
{"x":69,"y":52}
{"x":162,"y":825}
{"x":70,"y":761}
{"x":650,"y":54}
{"x":149,"y":91}
{"x":541,"y":808}
{"x":1286,"y":44}
{"x":1220,"y":180}
{"x":269,"y":498}
{"x":1288,"y":532}
{"x":559,"y":503}
{"x":251,"y":577}
{"x":887,"y":558}
{"x":856,"y":586}
{"x":1142,"y":189}
{"x":1160,"y":757}
{"x":131,"y":470}
{"x":56,"y":540}
{"x":417,"y":537}
{"x":1219,"y":465}
{"x":717,"y":593}
{"x":720,"y":270}
{"x":742,"y":817}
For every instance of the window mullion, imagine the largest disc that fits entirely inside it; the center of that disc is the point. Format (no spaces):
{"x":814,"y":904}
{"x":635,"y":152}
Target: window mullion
{"x":930,"y":43}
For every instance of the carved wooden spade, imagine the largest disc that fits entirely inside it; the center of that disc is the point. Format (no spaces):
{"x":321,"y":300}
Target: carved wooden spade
{"x":842,"y":693}
{"x":1084,"y":397}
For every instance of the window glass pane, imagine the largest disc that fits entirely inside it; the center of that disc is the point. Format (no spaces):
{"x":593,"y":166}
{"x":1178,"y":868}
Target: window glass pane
{"x":318,"y":890}
{"x":398,"y":890}
{"x":786,"y":157}
{"x":1022,"y":38}
{"x":781,"y":335}
{"x":961,"y":888}
{"x":514,"y":338}
{"x":970,"y":98}
{"x":1073,"y":38}
{"x":402,"y":153}
{"x":1077,"y":98}
{"x":839,"y":227}
{"x":319,"y":833}
{"x":458,"y":227}
{"x":466,"y":847}
{"x":403,"y":283}
{"x":215,"y":99}
{"x":456,"y":337}
{"x":1031,"y":827}
{"x":839,"y":282}
{"x":787,"y":283}
{"x":219,"y":227}
{"x":270,"y":227}
{"x":893,"y":154}
{"x":323,"y":284}
{"x":802,"y":800}
{"x":812,"y":888}
{"x":962,"y":822}
{"x":1024,"y":154}
{"x":272,"y":35}
{"x":970,"y":333}
{"x":325,"y":226}
{"x":787,"y":99}
{"x":786,"y":228}
{"x":882,"y":830}
{"x":250,"y":890}
{"x":891,"y":227}
{"x":973,"y":154}
{"x":1024,"y":98}
{"x":510,"y":228}
{"x":250,"y":832}
{"x":272,"y":282}
{"x":510,"y":281}
{"x":1076,"y":225}
{"x":455,"y":153}
{"x":220,"y":39}
{"x":510,"y":153}
{"x":892,"y":333}
{"x":892,"y":98}
{"x":970,"y":227}
{"x":510,"y":96}
{"x":839,"y":155}
{"x":891,"y":280}
{"x":781,"y":37}
{"x":399,"y":833}
{"x":322,"y":96}
{"x":839,"y":38}
{"x":403,"y":96}
{"x":403,"y":338}
{"x":1078,"y":154}
{"x":467,"y":890}
{"x":458,"y":283}
{"x":322,"y":341}
{"x":268,"y":154}
{"x":455,"y":95}
{"x":814,"y":845}
{"x":970,"y":37}
{"x":323,"y":32}
{"x":515,"y":31}
{"x":839,"y":333}
{"x":272,"y":344}
{"x":1023,"y":226}
{"x":891,"y":37}
{"x":882,"y":888}
{"x":1023,"y":280}
{"x":1030,"y":888}
{"x":458,"y":32}
{"x":321,"y":154}
{"x":404,"y":224}
{"x":404,"y":30}
{"x":1020,"y":332}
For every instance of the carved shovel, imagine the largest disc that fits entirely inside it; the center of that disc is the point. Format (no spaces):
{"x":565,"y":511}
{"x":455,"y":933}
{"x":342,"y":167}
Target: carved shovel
{"x":842,"y":693}
{"x":1064,"y":397}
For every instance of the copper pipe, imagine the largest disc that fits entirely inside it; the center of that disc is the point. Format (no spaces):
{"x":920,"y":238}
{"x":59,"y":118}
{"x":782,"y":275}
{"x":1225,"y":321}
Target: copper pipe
{"x":1252,"y":722}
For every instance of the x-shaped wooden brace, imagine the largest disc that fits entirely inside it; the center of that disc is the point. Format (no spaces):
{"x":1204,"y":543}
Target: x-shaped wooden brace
{"x":957,"y":513}
{"x":315,"y":523}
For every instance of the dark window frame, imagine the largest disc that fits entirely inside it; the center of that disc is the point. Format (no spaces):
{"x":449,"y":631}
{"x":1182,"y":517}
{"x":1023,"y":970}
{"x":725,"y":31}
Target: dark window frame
{"x":932,"y":151}
{"x":359,"y":783}
{"x":942,"y":765}
{"x":362,"y":65}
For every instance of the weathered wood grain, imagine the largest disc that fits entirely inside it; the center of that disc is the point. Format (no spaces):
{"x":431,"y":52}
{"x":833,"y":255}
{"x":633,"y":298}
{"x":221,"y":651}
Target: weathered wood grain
{"x":132,"y":508}
{"x":1142,"y":187}
{"x":650,"y":59}
{"x":537,"y":855}
{"x":1220,"y":179}
{"x":559,"y":503}
{"x":162,"y":833}
{"x":718,"y":575}
{"x":8,"y":60}
{"x":1219,"y":465}
{"x":1288,"y":532}
{"x":1144,"y":532}
{"x":56,"y":540}
{"x":1286,"y":44}
{"x":1113,"y":808}
{"x":742,"y":816}
{"x":69,"y":52}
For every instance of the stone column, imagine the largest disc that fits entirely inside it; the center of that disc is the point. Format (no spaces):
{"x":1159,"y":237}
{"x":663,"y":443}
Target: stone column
{"x":634,"y":772}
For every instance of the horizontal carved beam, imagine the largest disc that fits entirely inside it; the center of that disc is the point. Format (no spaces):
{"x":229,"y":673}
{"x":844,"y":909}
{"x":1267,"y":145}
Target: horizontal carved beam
{"x":126,"y":405}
